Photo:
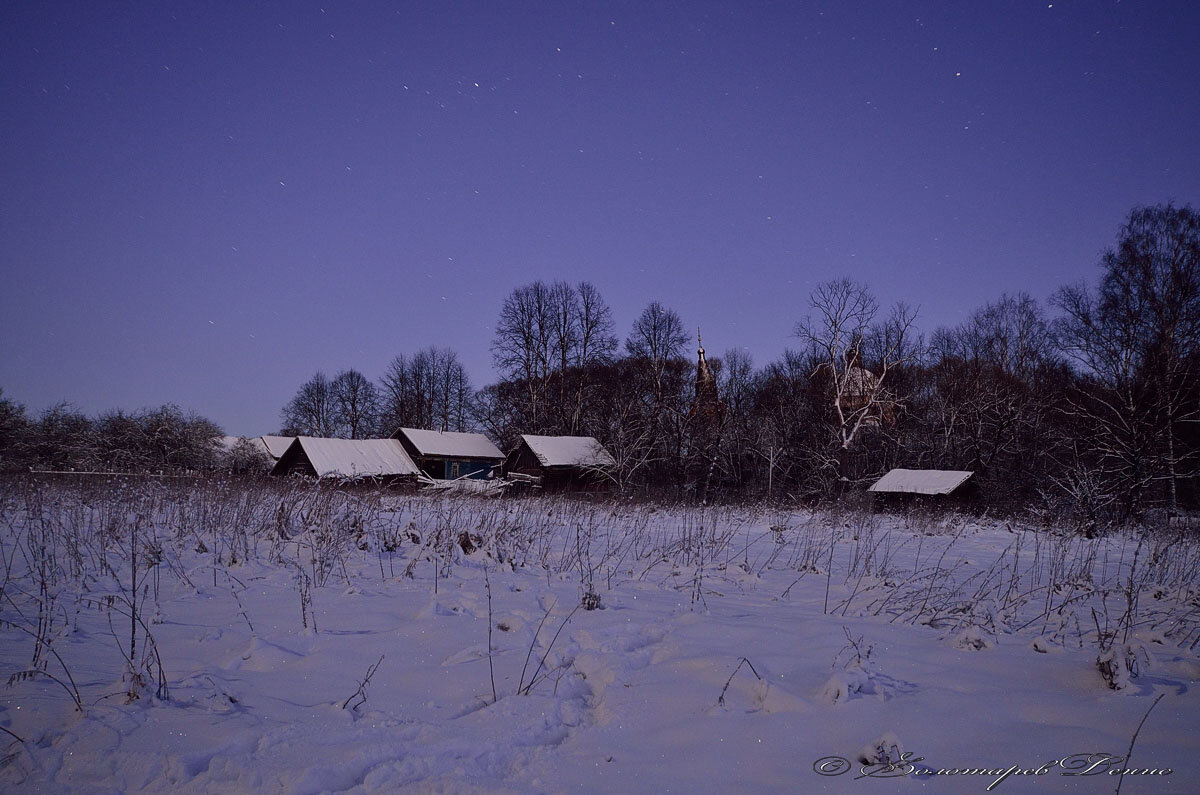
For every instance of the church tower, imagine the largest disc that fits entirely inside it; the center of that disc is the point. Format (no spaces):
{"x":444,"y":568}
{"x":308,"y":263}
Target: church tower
{"x":706,"y":406}
{"x":705,"y":419}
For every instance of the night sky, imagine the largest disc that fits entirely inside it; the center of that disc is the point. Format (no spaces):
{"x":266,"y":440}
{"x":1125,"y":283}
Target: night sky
{"x":205,"y":203}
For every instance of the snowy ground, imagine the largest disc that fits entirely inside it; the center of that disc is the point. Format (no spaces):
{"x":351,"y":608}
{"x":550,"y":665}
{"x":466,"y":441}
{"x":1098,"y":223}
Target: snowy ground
{"x":969,"y":645}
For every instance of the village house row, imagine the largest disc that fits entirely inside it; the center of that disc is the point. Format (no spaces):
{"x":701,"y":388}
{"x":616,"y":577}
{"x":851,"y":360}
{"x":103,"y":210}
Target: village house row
{"x":470,"y":462}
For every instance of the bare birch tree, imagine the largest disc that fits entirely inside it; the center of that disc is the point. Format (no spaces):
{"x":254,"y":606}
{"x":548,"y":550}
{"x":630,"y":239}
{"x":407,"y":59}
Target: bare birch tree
{"x":840,"y":329}
{"x":1137,"y":341}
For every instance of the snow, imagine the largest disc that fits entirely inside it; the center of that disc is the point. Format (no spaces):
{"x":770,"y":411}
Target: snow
{"x":452,"y":444}
{"x":648,"y":693}
{"x":357,"y":457}
{"x":921,"y":481}
{"x":492,"y":487}
{"x":277,"y":445}
{"x":572,"y":451}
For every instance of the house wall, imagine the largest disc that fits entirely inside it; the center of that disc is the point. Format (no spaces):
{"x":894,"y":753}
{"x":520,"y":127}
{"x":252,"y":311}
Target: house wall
{"x":475,"y":469}
{"x":444,"y":468}
{"x":523,"y":461}
{"x":454,"y":468}
{"x":294,"y":462}
{"x":965,"y":498}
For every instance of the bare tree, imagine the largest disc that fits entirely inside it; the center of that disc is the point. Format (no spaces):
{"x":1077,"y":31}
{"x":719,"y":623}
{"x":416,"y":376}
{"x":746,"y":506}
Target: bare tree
{"x":839,"y":332}
{"x":547,"y":339}
{"x":174,"y":440}
{"x":14,"y":429}
{"x":121,"y":445}
{"x":245,"y":457}
{"x":655,"y":347}
{"x":63,"y":438}
{"x":594,"y":345}
{"x":597,"y":337}
{"x":737,"y":385}
{"x":1137,"y":340}
{"x":356,"y":403}
{"x":990,"y":401}
{"x":313,"y":410}
{"x":522,"y":348}
{"x":165,"y":439}
{"x":621,"y":423}
{"x":791,"y":431}
{"x":1011,"y":335}
{"x":563,"y":303}
{"x":988,"y":380}
{"x":429,"y":389}
{"x":657,"y":338}
{"x":658,"y":335}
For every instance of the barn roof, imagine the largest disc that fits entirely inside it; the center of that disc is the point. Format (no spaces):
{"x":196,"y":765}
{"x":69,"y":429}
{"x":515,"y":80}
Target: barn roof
{"x":276,"y":445}
{"x":354,"y":458}
{"x":451,"y":444}
{"x":568,"y":451}
{"x":921,"y":481}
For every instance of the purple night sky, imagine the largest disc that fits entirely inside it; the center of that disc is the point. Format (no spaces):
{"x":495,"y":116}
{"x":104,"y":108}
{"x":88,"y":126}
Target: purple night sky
{"x":205,"y":203}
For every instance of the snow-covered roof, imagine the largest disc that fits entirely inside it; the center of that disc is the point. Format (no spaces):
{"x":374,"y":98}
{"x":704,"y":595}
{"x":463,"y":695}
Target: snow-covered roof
{"x":276,"y":445}
{"x":569,"y":451}
{"x":921,"y":481}
{"x":352,"y":458}
{"x":451,"y":444}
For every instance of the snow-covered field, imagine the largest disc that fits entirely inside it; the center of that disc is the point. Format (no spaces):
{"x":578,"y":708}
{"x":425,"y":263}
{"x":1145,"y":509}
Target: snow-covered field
{"x":301,"y":640}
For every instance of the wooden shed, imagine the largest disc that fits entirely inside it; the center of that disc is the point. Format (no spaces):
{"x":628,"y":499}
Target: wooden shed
{"x":561,"y":462}
{"x":382,"y":460}
{"x":449,"y":455}
{"x":927,"y":487}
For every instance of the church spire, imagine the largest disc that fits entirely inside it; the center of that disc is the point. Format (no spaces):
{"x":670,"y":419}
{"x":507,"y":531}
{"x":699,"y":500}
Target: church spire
{"x":704,"y":373}
{"x":706,"y":401}
{"x":706,"y":420}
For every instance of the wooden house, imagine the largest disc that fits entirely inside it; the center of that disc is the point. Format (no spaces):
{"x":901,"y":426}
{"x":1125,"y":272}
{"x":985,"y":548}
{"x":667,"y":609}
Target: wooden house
{"x":560,"y":462}
{"x":383,"y":460}
{"x":447,"y":455}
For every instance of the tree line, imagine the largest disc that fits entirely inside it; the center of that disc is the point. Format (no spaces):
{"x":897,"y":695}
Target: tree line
{"x":1088,"y":404}
{"x":163,"y":440}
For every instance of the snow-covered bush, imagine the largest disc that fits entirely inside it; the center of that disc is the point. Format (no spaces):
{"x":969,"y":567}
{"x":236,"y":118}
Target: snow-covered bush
{"x":854,"y":673}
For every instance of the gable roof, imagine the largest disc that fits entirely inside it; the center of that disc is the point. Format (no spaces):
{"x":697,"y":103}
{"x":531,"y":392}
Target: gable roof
{"x":350,"y":458}
{"x":568,"y":451}
{"x":450,"y":444}
{"x":277,"y":445}
{"x":921,"y":481}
